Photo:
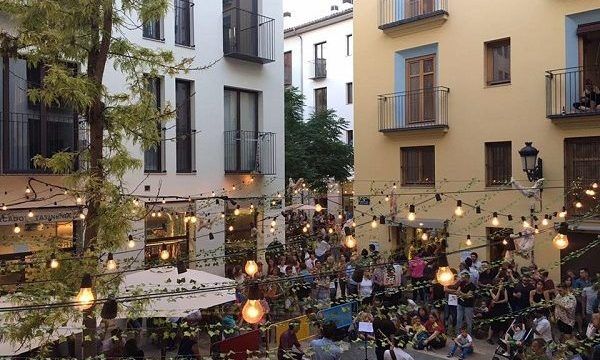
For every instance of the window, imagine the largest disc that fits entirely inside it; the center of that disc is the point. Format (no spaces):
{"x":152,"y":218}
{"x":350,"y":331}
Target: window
{"x":287,"y":68}
{"x":582,"y":168}
{"x":497,"y":62}
{"x":165,"y":225}
{"x":498,"y":163}
{"x":320,"y":99}
{"x":415,"y":8}
{"x":153,"y":29}
{"x":349,"y":45}
{"x":320,"y":51}
{"x":241,"y":130}
{"x":349,"y":93}
{"x":153,"y":157}
{"x":350,"y":137}
{"x":184,"y":22}
{"x":496,"y":248}
{"x":418,"y":166}
{"x":420,"y":97}
{"x":183,"y":126}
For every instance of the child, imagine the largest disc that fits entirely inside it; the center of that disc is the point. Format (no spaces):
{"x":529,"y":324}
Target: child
{"x":515,"y":340}
{"x":464,"y":342}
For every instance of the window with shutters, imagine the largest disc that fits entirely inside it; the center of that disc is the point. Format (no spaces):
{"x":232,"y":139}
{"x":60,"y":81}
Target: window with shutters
{"x":320,"y":99}
{"x":497,"y":62}
{"x":153,"y":157}
{"x":287,"y":68}
{"x":349,"y":93}
{"x":582,"y":169}
{"x":184,"y":141}
{"x":498,"y":163}
{"x":418,"y":166}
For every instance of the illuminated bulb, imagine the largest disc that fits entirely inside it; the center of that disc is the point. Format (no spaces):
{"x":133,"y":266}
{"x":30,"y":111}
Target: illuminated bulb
{"x":4,"y":207}
{"x":411,"y":213}
{"x":81,"y":215}
{"x":305,"y":229}
{"x":78,"y":200}
{"x":340,"y":216}
{"x":545,"y":220}
{"x":444,"y":276}
{"x":295,"y":191}
{"x":526,"y":223}
{"x":17,"y":229}
{"x":231,"y":228}
{"x":136,"y":202}
{"x":307,"y":225}
{"x":27,"y":190}
{"x":459,"y":210}
{"x":164,"y":201}
{"x":213,"y":194}
{"x":374,"y":222}
{"x":253,"y":311}
{"x":85,"y":297}
{"x":30,"y":214}
{"x":251,"y":268}
{"x":53,"y":262}
{"x":193,"y":219}
{"x":537,"y":230}
{"x":353,"y":224}
{"x":578,"y":204}
{"x":164,"y":253}
{"x":233,"y":187}
{"x":271,"y":230}
{"x":387,"y":198}
{"x":153,"y":214}
{"x":469,"y":242}
{"x":560,"y":241}
{"x":495,"y":220}
{"x":131,"y":243}
{"x":159,"y":214}
{"x":350,"y":242}
{"x":504,"y":242}
{"x":222,"y":215}
{"x":563,"y":213}
{"x":590,"y":192}
{"x":425,"y":236}
{"x":394,"y":186}
{"x":111,"y":264}
{"x":330,"y":231}
{"x":273,"y":222}
{"x":186,"y":219}
{"x":318,"y":208}
{"x":236,"y":212}
{"x":594,"y":185}
{"x":279,"y":195}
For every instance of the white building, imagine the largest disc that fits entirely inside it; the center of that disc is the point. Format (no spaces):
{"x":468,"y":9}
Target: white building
{"x":227,"y":138}
{"x":318,"y":61}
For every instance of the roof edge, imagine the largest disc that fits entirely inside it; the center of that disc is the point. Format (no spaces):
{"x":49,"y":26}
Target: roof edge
{"x":319,"y":23}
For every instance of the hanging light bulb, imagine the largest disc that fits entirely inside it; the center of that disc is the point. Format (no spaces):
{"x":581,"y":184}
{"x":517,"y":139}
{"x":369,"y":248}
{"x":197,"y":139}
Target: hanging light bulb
{"x":279,"y":195}
{"x":594,"y":185}
{"x":193,"y":218}
{"x":230,"y":228}
{"x":136,"y":202}
{"x":78,"y":200}
{"x":308,"y":225}
{"x":495,"y":221}
{"x":271,"y":230}
{"x":563,"y":213}
{"x":85,"y":297}
{"x":444,"y":274}
{"x":159,"y":213}
{"x":164,"y":252}
{"x":16,"y":229}
{"x":561,"y":241}
{"x":236,"y":212}
{"x":251,"y":268}
{"x":424,"y":236}
{"x":164,"y":201}
{"x":81,"y":214}
{"x":394,"y":186}
{"x":4,"y":207}
{"x":27,"y":190}
{"x":111,"y":264}
{"x":304,"y":229}
{"x":153,"y":214}
{"x":340,"y":216}
{"x":318,"y":208}
{"x":53,"y":262}
{"x":273,"y":222}
{"x":353,"y":223}
{"x":30,"y":214}
{"x":411,"y":213}
{"x":590,"y":192}
{"x":387,"y":198}
{"x":526,"y":223}
{"x":130,"y":243}
{"x":469,"y":242}
{"x":233,"y":188}
{"x":374,"y":222}
{"x":252,"y":206}
{"x":253,"y":312}
{"x":504,"y":242}
{"x":350,"y":242}
{"x":459,"y":210}
{"x":578,"y":203}
{"x":545,"y":221}
{"x":536,"y":229}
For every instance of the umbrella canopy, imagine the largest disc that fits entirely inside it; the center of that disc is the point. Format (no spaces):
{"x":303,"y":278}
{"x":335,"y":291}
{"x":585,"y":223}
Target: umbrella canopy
{"x":299,"y":207}
{"x":188,"y":292}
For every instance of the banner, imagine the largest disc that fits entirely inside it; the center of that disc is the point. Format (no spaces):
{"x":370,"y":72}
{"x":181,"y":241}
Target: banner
{"x":239,"y":346}
{"x":40,"y":215}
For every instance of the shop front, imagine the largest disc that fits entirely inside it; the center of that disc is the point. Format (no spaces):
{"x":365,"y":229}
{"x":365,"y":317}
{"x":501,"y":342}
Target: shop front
{"x":423,"y":235}
{"x":241,"y":233}
{"x":167,"y":231}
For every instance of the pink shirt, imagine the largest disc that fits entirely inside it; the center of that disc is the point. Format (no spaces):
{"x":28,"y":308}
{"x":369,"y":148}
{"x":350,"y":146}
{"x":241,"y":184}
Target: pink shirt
{"x":416,"y":267}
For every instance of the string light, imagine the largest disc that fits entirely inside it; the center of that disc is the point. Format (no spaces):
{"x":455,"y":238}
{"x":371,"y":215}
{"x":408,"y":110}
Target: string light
{"x":563,"y":213}
{"x":459,"y":210}
{"x":560,"y":241}
{"x":236,"y":212}
{"x":30,"y":214}
{"x":27,"y":190}
{"x":318,"y":208}
{"x":85,"y":297}
{"x":159,"y":213}
{"x":279,"y":195}
{"x":526,"y":223}
{"x":16,"y":229}
{"x":253,"y":312}
{"x":536,"y":229}
{"x":271,"y":230}
{"x":353,"y":223}
{"x":78,"y":200}
{"x":304,"y":229}
{"x":387,"y":198}
{"x":251,"y":268}
{"x":136,"y":202}
{"x":81,"y":214}
{"x":469,"y":242}
{"x":424,"y":236}
{"x":130,"y":243}
{"x":111,"y":264}
{"x":411,"y":213}
{"x":444,"y":274}
{"x":273,"y":222}
{"x":545,"y":221}
{"x":594,"y":185}
{"x":213,"y":194}
{"x":330,"y":231}
{"x":193,"y":218}
{"x":53,"y":262}
{"x":495,"y":221}
{"x":222,"y":215}
{"x":230,"y":228}
{"x":504,"y":242}
{"x":164,"y":252}
{"x":164,"y":201}
{"x":233,"y":188}
{"x":340,"y":216}
{"x":394,"y":186}
{"x":374,"y":222}
{"x":590,"y":192}
{"x":350,"y":242}
{"x":578,"y":203}
{"x":4,"y":207}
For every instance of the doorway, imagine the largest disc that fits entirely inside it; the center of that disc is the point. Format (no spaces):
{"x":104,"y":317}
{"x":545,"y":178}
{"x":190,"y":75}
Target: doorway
{"x":420,"y":93}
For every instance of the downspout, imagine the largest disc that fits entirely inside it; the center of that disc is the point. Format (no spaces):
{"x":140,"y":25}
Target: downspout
{"x":301,"y":61}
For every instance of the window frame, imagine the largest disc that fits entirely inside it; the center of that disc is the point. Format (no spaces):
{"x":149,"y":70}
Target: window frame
{"x":288,"y":64}
{"x":317,"y":108}
{"x":569,"y":173}
{"x":350,"y":137}
{"x":159,"y":23}
{"x":490,"y":47}
{"x":349,"y":93}
{"x":420,"y":152}
{"x":190,"y":25}
{"x":349,"y":49}
{"x":492,"y":155}
{"x":160,"y":146}
{"x":190,"y":123}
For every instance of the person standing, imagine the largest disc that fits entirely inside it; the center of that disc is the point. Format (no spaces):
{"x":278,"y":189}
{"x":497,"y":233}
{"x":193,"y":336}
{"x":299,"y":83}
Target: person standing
{"x":383,"y":328}
{"x":466,"y":302}
{"x":416,"y":267}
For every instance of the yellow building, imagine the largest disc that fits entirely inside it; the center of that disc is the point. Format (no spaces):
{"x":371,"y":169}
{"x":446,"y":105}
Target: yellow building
{"x":446,"y":94}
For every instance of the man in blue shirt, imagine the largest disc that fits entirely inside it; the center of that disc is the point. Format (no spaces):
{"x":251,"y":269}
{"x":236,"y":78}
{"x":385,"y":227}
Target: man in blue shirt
{"x":324,"y":348}
{"x":584,"y":279}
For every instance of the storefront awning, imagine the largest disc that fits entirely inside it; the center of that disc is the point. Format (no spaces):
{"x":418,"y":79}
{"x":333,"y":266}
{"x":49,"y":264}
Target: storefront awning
{"x":424,"y":223}
{"x":586,"y":226}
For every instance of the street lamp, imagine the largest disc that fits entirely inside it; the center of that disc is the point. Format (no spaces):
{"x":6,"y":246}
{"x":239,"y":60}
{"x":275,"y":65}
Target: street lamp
{"x":532,"y":165}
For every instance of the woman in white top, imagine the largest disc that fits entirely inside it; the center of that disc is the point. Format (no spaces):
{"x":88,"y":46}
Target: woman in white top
{"x":395,"y":352}
{"x":365,"y":288}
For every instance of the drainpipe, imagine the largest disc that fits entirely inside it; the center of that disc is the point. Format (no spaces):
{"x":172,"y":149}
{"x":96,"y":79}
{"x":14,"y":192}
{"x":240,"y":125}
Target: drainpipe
{"x":301,"y":61}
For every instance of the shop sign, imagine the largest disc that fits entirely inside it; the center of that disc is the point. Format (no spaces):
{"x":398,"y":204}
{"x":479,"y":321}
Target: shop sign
{"x":40,"y":215}
{"x":364,"y":200}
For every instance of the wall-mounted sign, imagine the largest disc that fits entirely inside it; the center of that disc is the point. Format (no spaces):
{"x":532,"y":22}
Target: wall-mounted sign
{"x":364,"y":200}
{"x":40,"y":215}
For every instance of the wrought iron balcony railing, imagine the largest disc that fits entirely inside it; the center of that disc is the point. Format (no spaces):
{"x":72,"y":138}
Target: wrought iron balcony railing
{"x":248,"y":36}
{"x":414,"y":110}
{"x":573,"y":92}
{"x":249,"y":152}
{"x":319,"y":69}
{"x":394,"y":13}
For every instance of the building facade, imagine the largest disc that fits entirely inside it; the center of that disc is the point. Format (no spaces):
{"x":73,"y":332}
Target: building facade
{"x":446,"y":94}
{"x":226,"y":139}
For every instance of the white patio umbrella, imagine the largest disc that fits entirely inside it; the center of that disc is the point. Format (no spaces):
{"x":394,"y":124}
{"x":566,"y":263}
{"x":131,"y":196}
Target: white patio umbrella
{"x":176,"y":295}
{"x":299,"y":207}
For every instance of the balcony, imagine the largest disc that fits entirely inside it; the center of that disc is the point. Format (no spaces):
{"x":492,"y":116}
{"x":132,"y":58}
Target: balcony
{"x":401,"y":17}
{"x":573,"y":94}
{"x":319,"y":69}
{"x":423,"y":109}
{"x":36,"y":133}
{"x":249,"y":152}
{"x":248,"y":36}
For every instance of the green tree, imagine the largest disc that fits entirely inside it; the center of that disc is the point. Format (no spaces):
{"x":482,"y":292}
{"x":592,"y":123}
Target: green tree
{"x":90,"y":33}
{"x":313,"y":149}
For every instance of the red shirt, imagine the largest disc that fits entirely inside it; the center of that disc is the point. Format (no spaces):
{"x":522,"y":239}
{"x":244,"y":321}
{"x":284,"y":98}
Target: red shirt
{"x":433,"y":326}
{"x":416,"y":267}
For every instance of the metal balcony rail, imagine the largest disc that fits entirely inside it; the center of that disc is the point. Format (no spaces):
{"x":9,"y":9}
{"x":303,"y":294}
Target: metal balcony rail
{"x":184,"y":22}
{"x":249,"y":152}
{"x":319,"y":68}
{"x":31,"y":134}
{"x":416,"y":109}
{"x":573,"y":92}
{"x":396,"y":12}
{"x":248,"y":36}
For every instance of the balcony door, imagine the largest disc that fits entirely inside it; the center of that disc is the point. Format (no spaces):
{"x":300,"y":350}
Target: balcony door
{"x":420,"y":93}
{"x":413,"y":8}
{"x":241,"y":130}
{"x":240,"y":26}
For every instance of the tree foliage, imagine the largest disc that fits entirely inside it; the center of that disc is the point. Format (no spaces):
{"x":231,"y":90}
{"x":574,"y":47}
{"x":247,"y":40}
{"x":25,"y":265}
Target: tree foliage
{"x":313,"y":149}
{"x":91,"y":34}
